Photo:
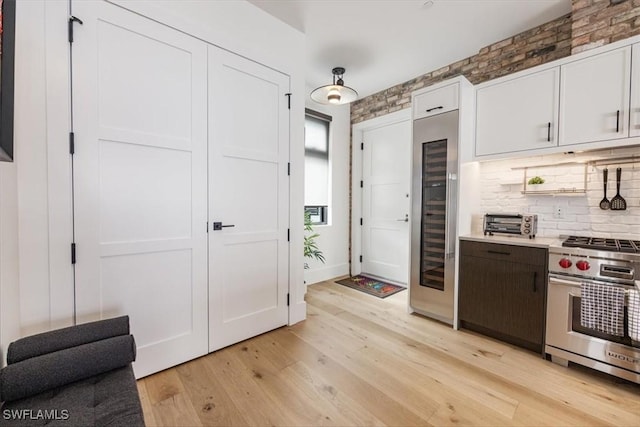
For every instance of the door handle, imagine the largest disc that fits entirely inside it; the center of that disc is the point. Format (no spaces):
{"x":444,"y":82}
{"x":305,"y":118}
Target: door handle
{"x":219,"y":226}
{"x":405,"y":219}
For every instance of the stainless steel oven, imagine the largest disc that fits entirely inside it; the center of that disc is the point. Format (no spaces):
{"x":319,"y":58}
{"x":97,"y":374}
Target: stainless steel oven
{"x":567,"y":338}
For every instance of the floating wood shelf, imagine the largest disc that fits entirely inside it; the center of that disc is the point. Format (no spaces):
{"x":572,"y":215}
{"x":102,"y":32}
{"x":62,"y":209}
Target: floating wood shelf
{"x":570,"y":191}
{"x":557,"y":191}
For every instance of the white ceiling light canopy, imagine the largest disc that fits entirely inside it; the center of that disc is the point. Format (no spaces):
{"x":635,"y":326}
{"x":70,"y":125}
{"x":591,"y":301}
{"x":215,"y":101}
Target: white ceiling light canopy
{"x":336,"y":93}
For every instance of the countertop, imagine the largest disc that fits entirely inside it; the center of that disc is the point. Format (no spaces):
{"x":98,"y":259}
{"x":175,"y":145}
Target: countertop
{"x":505,"y":239}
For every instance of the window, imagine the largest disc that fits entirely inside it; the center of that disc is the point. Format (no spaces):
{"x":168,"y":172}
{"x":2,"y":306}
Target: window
{"x":316,"y":163}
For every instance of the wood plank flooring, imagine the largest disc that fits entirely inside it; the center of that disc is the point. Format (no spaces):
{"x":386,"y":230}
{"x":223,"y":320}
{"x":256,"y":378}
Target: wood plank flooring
{"x":361,"y":361}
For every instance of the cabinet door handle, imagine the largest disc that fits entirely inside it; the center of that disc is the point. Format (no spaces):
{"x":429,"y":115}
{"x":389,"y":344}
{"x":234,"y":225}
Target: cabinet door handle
{"x":498,"y":252}
{"x":535,"y":279}
{"x":617,"y":121}
{"x":434,"y":108}
{"x":549,"y":132}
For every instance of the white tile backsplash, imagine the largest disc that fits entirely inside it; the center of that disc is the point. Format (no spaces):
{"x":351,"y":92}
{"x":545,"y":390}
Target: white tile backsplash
{"x":581,"y":215}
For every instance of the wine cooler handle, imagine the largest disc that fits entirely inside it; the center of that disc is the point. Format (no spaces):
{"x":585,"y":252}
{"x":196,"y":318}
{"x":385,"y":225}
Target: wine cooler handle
{"x":452,"y":196}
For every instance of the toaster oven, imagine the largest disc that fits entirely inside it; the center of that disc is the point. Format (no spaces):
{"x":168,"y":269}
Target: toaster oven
{"x":514,"y":224}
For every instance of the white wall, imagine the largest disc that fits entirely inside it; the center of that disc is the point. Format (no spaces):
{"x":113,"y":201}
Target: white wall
{"x":334,"y":237}
{"x":36,"y":276}
{"x":501,"y":192}
{"x":9,"y":291}
{"x":25,"y":243}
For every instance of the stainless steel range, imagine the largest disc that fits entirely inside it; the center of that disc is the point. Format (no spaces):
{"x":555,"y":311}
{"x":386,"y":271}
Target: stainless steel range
{"x":593,"y":305}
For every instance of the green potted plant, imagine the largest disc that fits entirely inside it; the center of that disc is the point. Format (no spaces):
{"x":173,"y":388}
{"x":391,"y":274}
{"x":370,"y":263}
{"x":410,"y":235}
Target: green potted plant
{"x":310,"y":246}
{"x":536,"y":180}
{"x":535,"y":183}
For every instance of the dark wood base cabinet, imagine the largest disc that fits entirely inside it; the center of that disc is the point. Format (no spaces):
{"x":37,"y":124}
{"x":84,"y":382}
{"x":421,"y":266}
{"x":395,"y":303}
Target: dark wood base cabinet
{"x":502,"y":292}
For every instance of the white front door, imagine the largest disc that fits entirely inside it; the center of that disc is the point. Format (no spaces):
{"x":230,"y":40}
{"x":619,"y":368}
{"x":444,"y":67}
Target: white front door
{"x":386,"y":164}
{"x":140,"y":113}
{"x":248,"y":198}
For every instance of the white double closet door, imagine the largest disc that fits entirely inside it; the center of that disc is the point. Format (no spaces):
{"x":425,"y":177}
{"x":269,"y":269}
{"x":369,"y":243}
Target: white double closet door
{"x":173,"y":135}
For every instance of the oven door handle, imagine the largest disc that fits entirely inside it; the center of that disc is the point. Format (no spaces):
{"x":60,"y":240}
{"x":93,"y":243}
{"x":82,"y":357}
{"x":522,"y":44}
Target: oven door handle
{"x":559,"y":281}
{"x":577,"y":283}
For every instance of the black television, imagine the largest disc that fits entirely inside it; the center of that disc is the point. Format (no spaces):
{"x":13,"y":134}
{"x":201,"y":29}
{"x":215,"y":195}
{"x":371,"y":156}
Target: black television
{"x":7,"y":54}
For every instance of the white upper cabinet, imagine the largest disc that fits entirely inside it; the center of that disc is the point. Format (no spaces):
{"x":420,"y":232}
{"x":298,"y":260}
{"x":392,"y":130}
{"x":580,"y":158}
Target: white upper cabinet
{"x":594,"y":98}
{"x":634,"y":128}
{"x":518,"y":114}
{"x":436,"y":101}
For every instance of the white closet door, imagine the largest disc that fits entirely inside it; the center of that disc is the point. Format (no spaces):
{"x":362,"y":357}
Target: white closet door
{"x":140,"y":181}
{"x":248,"y":197}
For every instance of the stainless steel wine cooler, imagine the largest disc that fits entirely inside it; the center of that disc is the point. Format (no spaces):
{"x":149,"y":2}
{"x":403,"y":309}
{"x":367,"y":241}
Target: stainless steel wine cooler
{"x":434,"y":212}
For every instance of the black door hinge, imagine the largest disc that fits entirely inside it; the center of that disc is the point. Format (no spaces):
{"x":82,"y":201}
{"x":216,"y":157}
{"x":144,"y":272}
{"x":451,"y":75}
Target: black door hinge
{"x":73,"y":253}
{"x":72,"y":143}
{"x":207,"y":226}
{"x":287,"y":300}
{"x":288,"y":169}
{"x":362,"y":145}
{"x":288,"y":234}
{"x":288,"y":95}
{"x":360,"y":221}
{"x":360,"y":258}
{"x":361,"y":184}
{"x":73,"y":19}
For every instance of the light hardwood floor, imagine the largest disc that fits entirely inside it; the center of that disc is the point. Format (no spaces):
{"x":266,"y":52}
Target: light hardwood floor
{"x":362,"y":361}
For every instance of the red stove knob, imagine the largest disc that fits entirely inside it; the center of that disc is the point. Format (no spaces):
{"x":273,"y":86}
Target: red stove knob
{"x":565,"y":263}
{"x":582,"y":265}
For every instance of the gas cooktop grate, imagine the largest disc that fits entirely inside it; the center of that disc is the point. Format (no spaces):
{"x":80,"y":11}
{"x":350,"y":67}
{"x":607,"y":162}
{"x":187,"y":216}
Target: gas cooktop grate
{"x":602,"y":244}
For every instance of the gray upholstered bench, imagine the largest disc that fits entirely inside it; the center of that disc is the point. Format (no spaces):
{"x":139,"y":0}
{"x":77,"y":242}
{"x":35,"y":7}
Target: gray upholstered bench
{"x":79,"y":376}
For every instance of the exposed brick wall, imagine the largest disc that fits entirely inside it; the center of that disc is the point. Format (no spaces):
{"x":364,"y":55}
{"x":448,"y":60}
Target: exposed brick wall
{"x":592,"y":23}
{"x":599,"y":22}
{"x":533,"y":47}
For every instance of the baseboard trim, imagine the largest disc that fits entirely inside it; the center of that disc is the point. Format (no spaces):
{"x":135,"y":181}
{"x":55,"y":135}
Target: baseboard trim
{"x":316,"y":275}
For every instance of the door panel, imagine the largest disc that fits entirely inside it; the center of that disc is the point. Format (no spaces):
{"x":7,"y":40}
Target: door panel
{"x":140,"y":181}
{"x":634,"y":128}
{"x":595,"y":112}
{"x":525,"y":106}
{"x":248,"y":190}
{"x":385,"y":201}
{"x":152,"y":177}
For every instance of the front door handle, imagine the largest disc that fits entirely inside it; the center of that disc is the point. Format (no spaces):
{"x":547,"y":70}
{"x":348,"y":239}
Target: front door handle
{"x":405,"y":219}
{"x":219,"y":226}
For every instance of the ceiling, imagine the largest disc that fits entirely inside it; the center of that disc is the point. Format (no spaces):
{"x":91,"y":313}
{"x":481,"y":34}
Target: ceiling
{"x":385,"y":42}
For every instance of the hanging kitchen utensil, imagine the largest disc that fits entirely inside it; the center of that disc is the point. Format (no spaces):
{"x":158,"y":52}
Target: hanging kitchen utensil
{"x":605,"y":203}
{"x":618,"y":203}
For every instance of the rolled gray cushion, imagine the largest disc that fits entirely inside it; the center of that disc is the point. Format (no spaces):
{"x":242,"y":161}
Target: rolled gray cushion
{"x":72,"y":336}
{"x":38,"y":374}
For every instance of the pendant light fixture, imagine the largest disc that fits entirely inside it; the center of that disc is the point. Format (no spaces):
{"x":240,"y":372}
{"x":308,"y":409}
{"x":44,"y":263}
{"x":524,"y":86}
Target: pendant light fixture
{"x":336,"y":93}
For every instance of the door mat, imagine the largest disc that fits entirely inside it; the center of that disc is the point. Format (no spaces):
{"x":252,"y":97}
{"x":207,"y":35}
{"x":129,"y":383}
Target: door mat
{"x":371,"y":286}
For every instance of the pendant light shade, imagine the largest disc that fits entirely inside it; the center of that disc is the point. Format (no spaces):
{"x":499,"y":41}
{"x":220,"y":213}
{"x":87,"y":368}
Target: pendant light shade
{"x":336,"y":93}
